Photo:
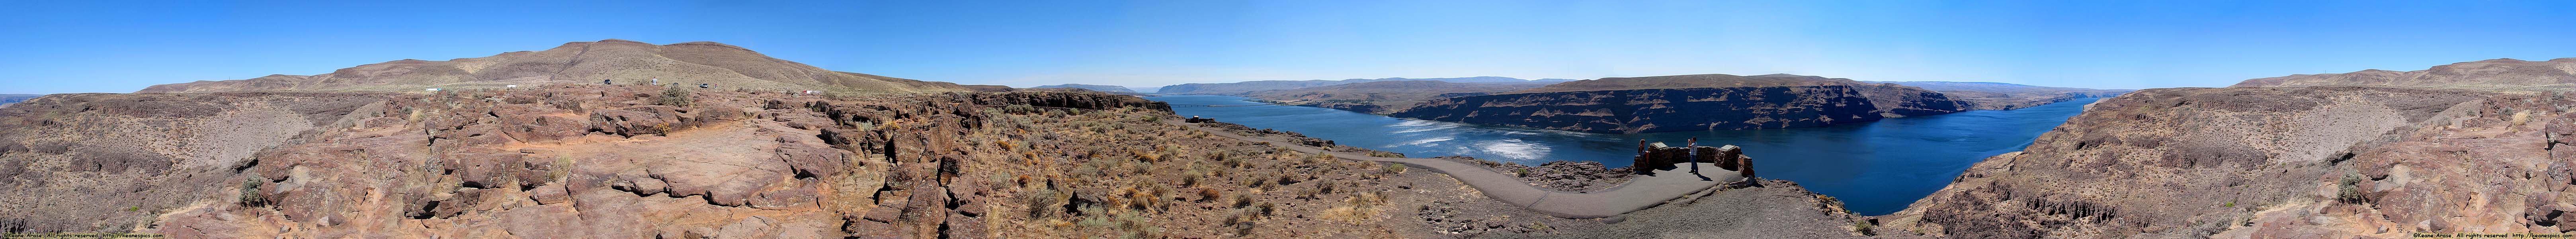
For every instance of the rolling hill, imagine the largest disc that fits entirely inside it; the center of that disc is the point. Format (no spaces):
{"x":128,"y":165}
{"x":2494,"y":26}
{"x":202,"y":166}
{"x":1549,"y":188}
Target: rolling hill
{"x":624,"y":62}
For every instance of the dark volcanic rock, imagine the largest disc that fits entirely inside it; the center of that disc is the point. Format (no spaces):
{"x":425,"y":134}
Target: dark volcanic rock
{"x":1062,"y":99}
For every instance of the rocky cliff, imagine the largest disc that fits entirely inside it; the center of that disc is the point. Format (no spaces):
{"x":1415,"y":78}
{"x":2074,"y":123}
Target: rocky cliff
{"x":2303,"y":162}
{"x":1689,"y":102}
{"x":2474,"y":147}
{"x":625,"y":62}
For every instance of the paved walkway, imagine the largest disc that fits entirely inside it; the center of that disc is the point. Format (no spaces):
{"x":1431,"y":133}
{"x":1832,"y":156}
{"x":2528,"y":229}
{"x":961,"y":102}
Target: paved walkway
{"x":1638,"y":194}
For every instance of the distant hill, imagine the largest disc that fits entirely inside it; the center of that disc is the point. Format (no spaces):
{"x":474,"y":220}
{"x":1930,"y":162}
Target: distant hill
{"x":14,"y":98}
{"x":626,"y":62}
{"x":1247,"y":87}
{"x":1375,"y":97}
{"x":2005,"y":96}
{"x":1689,"y":81}
{"x":1100,"y":88}
{"x":2497,"y":73}
{"x":6,"y":99}
{"x":1973,"y":86}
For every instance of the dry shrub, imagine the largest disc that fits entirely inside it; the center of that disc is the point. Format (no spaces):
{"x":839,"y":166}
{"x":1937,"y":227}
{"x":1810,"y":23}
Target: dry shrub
{"x":1208,"y":194}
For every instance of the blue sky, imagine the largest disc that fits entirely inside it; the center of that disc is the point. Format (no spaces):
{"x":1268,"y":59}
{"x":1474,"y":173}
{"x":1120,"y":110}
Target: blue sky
{"x":121,"y":46}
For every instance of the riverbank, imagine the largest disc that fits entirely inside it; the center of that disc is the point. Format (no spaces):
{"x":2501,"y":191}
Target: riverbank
{"x":1876,"y":167}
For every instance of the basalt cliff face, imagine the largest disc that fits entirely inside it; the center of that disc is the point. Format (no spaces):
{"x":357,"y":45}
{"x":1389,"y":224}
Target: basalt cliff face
{"x":2324,"y":160}
{"x":626,"y":62}
{"x":1690,"y":102}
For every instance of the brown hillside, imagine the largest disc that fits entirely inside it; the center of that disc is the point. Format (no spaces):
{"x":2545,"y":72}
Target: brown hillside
{"x":2497,"y":73}
{"x":627,"y":62}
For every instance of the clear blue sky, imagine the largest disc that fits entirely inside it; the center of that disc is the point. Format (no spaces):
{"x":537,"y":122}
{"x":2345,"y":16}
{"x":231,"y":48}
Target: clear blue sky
{"x":120,"y":46}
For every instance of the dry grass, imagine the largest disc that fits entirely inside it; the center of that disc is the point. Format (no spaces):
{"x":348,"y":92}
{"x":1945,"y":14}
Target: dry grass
{"x":1155,"y":180}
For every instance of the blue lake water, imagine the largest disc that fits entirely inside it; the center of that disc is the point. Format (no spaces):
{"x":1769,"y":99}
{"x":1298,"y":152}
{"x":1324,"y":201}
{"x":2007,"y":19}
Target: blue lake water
{"x":1875,"y":168}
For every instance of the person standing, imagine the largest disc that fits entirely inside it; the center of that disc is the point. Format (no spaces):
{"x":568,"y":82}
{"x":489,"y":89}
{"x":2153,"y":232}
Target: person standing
{"x":1645,"y":157}
{"x":1694,"y":154}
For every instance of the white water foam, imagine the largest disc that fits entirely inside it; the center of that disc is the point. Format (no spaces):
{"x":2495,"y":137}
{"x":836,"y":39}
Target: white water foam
{"x":1422,"y":141}
{"x":1515,"y":149}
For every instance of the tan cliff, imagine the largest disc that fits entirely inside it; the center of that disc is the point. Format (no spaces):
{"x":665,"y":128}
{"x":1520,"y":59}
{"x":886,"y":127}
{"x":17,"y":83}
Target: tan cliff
{"x":626,"y":62}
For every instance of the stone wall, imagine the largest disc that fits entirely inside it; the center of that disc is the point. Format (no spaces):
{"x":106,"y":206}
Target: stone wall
{"x":1658,"y":157}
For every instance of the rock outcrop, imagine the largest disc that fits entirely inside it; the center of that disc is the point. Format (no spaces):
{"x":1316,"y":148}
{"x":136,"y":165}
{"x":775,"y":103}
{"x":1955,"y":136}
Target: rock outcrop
{"x":2301,"y":162}
{"x":625,"y":62}
{"x":1688,"y":103}
{"x":2464,"y":148}
{"x":1072,"y":100}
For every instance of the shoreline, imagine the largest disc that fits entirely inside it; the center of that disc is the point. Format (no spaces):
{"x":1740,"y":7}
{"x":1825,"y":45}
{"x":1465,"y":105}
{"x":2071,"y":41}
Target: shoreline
{"x":1642,"y":192}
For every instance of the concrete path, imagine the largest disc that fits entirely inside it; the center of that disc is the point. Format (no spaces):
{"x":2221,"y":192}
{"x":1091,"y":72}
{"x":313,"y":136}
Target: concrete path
{"x":1638,"y":194}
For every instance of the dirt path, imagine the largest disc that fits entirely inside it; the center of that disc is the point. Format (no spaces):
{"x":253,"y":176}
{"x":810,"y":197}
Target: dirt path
{"x":1639,"y":193}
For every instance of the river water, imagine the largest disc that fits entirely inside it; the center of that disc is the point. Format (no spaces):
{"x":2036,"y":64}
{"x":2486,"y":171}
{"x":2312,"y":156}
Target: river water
{"x":1875,"y":168}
